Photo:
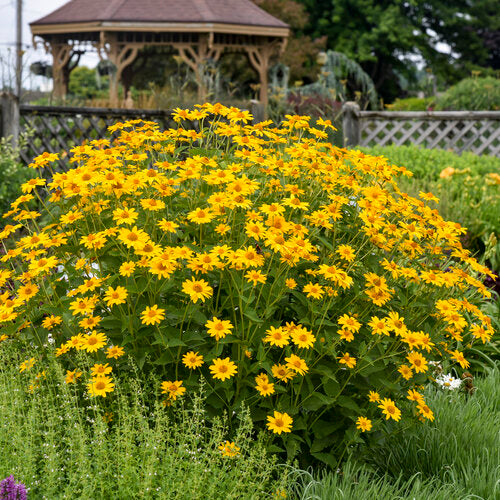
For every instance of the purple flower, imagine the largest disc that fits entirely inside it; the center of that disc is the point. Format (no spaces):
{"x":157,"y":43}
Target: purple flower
{"x":10,"y":490}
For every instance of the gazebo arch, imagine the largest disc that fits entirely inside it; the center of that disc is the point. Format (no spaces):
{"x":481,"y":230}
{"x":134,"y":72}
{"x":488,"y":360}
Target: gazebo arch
{"x":198,"y":29}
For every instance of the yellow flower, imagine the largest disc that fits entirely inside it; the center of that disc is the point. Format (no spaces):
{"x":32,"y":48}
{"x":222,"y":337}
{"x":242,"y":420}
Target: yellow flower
{"x":100,"y":369}
{"x":290,"y":283}
{"x":389,"y":409}
{"x":406,"y":372}
{"x":223,"y":369}
{"x":459,"y":358}
{"x":264,"y":387}
{"x":276,"y":336}
{"x":197,"y":289}
{"x":313,"y":290}
{"x":415,"y":396}
{"x":255,"y":277}
{"x":218,"y":328}
{"x":152,"y":315}
{"x":363,"y":424}
{"x":282,"y":372}
{"x":192,"y":360}
{"x":296,"y":364}
{"x":417,"y":361}
{"x":425,"y":411}
{"x":114,"y":352}
{"x":373,"y":397}
{"x":302,"y":337}
{"x":348,"y":360}
{"x":115,"y":296}
{"x":72,"y":376}
{"x":27,"y":365}
{"x":229,"y":449}
{"x":173,"y":389}
{"x":50,"y":321}
{"x":100,"y":386}
{"x":200,"y":216}
{"x":279,"y":422}
{"x":94,"y":341}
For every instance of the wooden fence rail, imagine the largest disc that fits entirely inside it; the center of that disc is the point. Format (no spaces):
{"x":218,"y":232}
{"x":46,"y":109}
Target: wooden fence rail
{"x":476,"y":131}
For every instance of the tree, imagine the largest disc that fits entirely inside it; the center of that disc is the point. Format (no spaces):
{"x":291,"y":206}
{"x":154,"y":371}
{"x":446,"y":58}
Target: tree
{"x":83,"y":83}
{"x":302,"y":50}
{"x":385,"y":36}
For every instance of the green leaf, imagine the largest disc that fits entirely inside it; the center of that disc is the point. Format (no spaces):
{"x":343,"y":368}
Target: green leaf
{"x":252,"y":316}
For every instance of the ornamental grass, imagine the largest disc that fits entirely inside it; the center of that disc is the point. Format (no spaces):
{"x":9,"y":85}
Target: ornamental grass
{"x":289,"y":274}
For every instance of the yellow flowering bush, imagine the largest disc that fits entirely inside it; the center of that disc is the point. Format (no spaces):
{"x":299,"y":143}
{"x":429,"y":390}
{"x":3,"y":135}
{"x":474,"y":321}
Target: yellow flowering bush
{"x":291,"y":275}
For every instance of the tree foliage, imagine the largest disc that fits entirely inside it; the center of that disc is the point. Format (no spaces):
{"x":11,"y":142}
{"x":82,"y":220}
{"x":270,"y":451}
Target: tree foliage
{"x":385,"y":36}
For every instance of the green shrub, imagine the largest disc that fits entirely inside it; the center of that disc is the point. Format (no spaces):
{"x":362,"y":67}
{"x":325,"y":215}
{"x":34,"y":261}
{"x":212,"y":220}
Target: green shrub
{"x":412,"y":104}
{"x":61,"y":446}
{"x":12,"y":171}
{"x":291,"y":275}
{"x":472,"y":94}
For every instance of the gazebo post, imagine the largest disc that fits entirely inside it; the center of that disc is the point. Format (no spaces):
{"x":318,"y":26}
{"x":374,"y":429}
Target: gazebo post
{"x":121,"y":55}
{"x":195,"y":55}
{"x":61,"y":55}
{"x":259,"y":58}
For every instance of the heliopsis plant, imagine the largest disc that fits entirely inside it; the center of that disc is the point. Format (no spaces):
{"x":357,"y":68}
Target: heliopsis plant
{"x":290,"y":275}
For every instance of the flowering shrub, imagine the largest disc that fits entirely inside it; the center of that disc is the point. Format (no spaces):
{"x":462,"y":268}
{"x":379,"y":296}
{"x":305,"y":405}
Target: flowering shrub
{"x":290,"y":274}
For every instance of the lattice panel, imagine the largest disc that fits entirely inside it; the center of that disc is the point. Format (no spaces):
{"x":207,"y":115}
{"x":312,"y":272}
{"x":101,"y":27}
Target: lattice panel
{"x":481,"y":136}
{"x":61,"y":129}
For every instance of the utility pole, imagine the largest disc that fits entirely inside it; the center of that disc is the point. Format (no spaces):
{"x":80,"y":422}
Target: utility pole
{"x":19,"y":47}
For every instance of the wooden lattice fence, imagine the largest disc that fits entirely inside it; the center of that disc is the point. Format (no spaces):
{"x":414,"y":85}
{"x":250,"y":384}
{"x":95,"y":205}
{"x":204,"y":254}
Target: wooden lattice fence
{"x":61,"y":128}
{"x":475,"y":131}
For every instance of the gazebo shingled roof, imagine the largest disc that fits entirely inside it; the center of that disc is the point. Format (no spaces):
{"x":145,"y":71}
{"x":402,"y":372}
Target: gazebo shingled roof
{"x":243,"y":12}
{"x":199,"y":29}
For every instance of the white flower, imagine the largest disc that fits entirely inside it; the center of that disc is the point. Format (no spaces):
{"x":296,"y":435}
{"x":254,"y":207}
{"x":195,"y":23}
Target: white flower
{"x":448,"y":382}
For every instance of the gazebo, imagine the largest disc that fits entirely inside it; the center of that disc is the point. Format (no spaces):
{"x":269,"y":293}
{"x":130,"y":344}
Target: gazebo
{"x":200,"y":30}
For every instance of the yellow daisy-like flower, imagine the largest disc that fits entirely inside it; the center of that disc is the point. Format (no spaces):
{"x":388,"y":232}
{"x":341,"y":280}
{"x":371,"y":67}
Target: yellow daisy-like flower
{"x":50,"y":321}
{"x":264,"y":387}
{"x":127,"y":269}
{"x":282,"y":372}
{"x":100,"y":369}
{"x":197,"y":289}
{"x":167,"y":226}
{"x":348,"y":360}
{"x":406,"y":372}
{"x":100,"y":386}
{"x":114,"y":352}
{"x":200,"y":216}
{"x":279,"y":422}
{"x":72,"y":376}
{"x":389,"y":409}
{"x":173,"y":389}
{"x":314,"y":290}
{"x":115,"y":296}
{"x":459,"y":358}
{"x":94,"y":341}
{"x":418,"y":362}
{"x":277,"y":336}
{"x":346,"y":252}
{"x":302,"y":337}
{"x":218,"y":328}
{"x":192,"y":360}
{"x":363,"y":424}
{"x":290,"y":283}
{"x":152,"y":315}
{"x":255,"y":276}
{"x":229,"y":449}
{"x":373,"y":397}
{"x":223,"y":369}
{"x":296,"y":364}
{"x":425,"y":411}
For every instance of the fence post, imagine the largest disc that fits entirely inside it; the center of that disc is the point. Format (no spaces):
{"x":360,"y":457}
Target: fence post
{"x":10,"y":117}
{"x":258,"y":111}
{"x":350,"y":124}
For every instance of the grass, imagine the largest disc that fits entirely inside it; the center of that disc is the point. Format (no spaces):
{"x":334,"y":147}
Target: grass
{"x":455,"y":457}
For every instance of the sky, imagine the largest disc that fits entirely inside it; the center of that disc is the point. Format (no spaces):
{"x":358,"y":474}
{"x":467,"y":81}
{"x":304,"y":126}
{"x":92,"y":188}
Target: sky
{"x":32,"y":10}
